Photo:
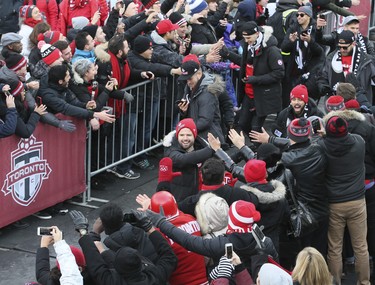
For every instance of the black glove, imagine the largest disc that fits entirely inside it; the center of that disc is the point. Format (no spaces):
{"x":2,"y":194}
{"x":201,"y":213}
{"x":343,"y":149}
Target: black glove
{"x":155,"y":218}
{"x":79,"y":220}
{"x":224,"y":52}
{"x":223,"y":270}
{"x":270,"y":249}
{"x":67,"y":125}
{"x":142,"y":220}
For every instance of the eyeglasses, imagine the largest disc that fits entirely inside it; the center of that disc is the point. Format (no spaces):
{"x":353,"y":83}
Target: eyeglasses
{"x":301,"y":15}
{"x":344,"y":47}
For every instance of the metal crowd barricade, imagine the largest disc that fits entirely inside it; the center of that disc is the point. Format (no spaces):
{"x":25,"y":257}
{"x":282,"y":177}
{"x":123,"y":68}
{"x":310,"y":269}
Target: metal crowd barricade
{"x":141,"y":127}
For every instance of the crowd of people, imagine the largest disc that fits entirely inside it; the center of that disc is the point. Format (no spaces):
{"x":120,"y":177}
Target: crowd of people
{"x":76,"y":58}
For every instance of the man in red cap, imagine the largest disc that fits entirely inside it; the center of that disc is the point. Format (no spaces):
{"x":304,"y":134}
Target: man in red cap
{"x":186,"y":152}
{"x":301,"y":106}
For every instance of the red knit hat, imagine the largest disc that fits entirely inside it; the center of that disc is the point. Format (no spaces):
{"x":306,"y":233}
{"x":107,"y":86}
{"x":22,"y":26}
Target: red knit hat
{"x":192,"y":57}
{"x":26,"y":11}
{"x":50,"y":54}
{"x":16,"y":88}
{"x":352,"y":104}
{"x":78,"y":254}
{"x":15,"y":61}
{"x":187,"y":123}
{"x":241,"y":216}
{"x":336,"y":127}
{"x":49,"y":37}
{"x":335,"y":103}
{"x":255,"y":171}
{"x":299,"y":130}
{"x":300,"y":92}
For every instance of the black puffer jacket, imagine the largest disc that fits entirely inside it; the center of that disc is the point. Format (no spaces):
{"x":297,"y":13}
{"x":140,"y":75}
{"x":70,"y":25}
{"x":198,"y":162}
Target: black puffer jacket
{"x":187,"y":184}
{"x":272,"y":204}
{"x":345,"y":176}
{"x":132,"y":237}
{"x":157,"y":274}
{"x":308,"y":164}
{"x":203,"y":33}
{"x":268,"y":73}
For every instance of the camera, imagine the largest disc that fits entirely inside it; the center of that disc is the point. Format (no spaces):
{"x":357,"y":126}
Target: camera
{"x":229,"y":250}
{"x":43,"y":231}
{"x":129,"y":218}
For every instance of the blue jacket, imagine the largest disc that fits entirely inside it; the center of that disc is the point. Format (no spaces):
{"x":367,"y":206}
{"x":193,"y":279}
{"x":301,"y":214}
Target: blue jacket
{"x":80,"y":54}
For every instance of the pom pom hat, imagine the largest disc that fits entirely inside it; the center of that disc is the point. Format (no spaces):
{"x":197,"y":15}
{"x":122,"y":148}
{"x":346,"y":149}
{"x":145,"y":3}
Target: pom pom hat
{"x":241,"y":216}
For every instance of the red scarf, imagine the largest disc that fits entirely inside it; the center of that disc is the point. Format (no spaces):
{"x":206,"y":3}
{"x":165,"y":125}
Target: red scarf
{"x":122,"y":79}
{"x":31,"y":22}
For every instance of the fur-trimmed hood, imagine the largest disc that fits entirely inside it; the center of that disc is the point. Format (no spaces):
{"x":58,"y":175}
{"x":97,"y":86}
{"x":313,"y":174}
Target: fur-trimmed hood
{"x":101,"y":52}
{"x":212,"y":214}
{"x":268,"y":38}
{"x":217,"y":87}
{"x":268,"y":197}
{"x":347,"y":115}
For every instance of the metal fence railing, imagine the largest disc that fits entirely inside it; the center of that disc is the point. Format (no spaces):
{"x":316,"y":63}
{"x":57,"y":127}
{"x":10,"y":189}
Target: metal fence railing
{"x":140,"y":127}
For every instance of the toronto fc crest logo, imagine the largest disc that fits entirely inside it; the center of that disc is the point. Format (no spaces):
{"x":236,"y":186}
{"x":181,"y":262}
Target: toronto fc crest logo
{"x":28,"y":170}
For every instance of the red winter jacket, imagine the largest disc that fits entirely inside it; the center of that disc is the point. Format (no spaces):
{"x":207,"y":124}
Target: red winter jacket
{"x":191,"y":268}
{"x":67,"y":13}
{"x":49,"y":9}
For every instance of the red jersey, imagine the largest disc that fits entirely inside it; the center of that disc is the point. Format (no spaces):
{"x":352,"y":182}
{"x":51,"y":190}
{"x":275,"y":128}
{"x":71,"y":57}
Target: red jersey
{"x":191,"y":268}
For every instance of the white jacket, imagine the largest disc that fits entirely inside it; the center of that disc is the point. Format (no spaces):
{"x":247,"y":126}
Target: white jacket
{"x":70,"y":274}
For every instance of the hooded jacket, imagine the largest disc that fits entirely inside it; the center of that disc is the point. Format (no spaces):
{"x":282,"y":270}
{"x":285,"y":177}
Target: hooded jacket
{"x":268,"y":73}
{"x":357,"y":124}
{"x":345,"y":174}
{"x":150,"y":274}
{"x":204,"y":108}
{"x":272,"y":204}
{"x":132,"y":237}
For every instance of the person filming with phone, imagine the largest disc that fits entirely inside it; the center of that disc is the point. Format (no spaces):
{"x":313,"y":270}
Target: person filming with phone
{"x":70,"y":262}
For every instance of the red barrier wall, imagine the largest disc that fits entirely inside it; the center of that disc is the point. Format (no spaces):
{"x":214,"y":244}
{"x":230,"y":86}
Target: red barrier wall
{"x":41,"y":171}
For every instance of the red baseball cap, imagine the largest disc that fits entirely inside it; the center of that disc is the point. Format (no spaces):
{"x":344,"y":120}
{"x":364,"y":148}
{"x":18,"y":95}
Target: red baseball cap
{"x":166,"y":26}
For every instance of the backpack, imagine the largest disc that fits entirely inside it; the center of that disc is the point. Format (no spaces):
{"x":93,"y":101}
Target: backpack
{"x":280,"y":22}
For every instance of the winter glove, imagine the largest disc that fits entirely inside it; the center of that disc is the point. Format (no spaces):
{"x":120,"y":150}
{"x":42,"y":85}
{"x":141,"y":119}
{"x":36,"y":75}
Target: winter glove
{"x":223,"y":270}
{"x":155,"y":218}
{"x":67,"y":126}
{"x":165,"y":170}
{"x":79,"y":220}
{"x":224,"y":52}
{"x":142,"y":220}
{"x":128,"y":97}
{"x":269,"y":249}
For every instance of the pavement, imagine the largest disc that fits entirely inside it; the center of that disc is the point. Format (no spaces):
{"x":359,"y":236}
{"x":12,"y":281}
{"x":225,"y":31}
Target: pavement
{"x":18,"y":246}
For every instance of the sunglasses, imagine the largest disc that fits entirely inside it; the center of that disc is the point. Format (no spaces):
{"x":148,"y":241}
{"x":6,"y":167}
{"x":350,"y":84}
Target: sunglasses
{"x":344,"y":47}
{"x":301,"y":15}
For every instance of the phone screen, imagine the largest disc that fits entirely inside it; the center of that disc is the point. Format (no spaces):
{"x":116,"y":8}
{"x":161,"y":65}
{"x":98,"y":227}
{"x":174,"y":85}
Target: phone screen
{"x":258,"y":232}
{"x":316,"y":125}
{"x":229,"y":250}
{"x":39,"y":100}
{"x":44,"y":231}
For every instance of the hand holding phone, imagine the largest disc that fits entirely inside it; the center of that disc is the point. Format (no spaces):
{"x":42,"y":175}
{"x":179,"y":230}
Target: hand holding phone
{"x":258,"y":235}
{"x":44,"y":231}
